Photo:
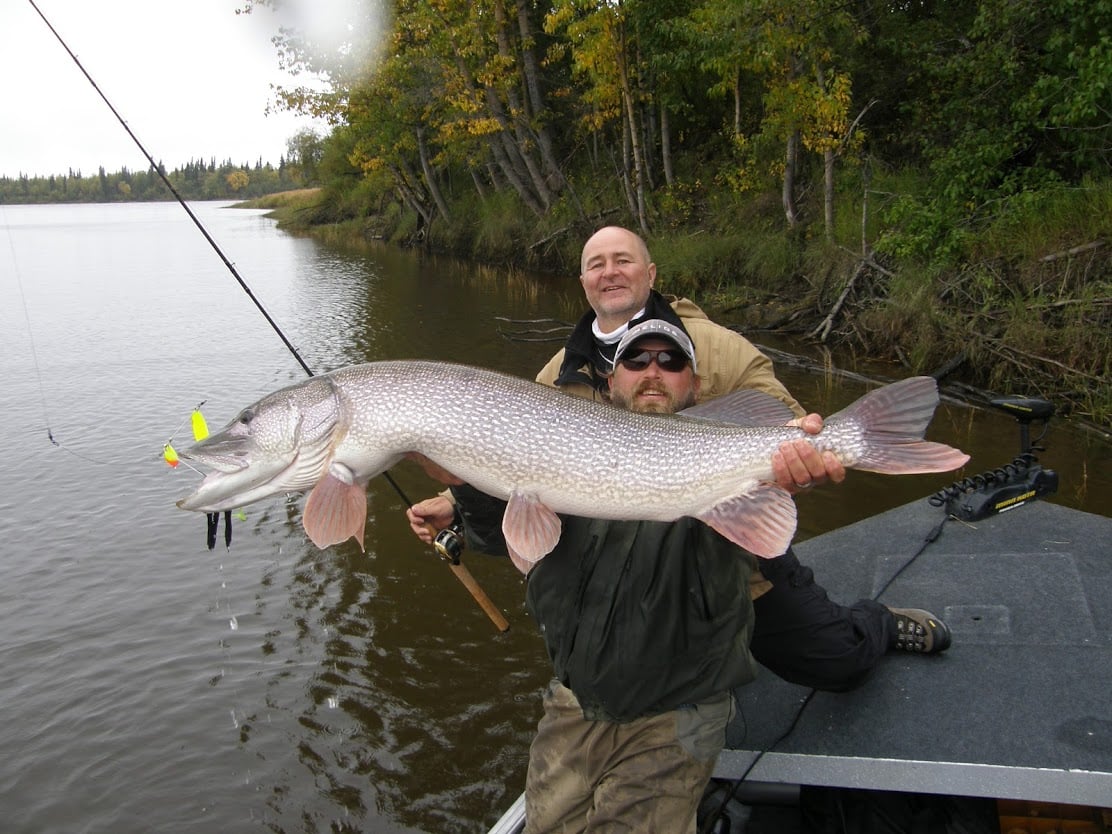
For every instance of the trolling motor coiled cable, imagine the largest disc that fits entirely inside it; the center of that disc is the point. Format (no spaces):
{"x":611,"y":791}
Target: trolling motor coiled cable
{"x":1009,"y":472}
{"x":1009,"y":486}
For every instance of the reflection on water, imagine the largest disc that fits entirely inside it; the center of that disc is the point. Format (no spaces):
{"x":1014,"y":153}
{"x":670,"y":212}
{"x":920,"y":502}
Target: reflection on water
{"x":415,"y":709}
{"x":153,"y":685}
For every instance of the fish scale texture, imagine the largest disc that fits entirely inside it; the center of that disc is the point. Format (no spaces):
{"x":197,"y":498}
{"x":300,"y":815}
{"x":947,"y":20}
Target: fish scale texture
{"x":506,"y":435}
{"x":501,"y":433}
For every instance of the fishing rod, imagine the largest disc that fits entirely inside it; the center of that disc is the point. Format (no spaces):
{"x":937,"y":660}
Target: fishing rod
{"x":169,"y":185}
{"x":458,"y":568}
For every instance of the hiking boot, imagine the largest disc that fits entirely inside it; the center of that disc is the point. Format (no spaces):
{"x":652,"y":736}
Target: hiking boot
{"x":919,"y":631}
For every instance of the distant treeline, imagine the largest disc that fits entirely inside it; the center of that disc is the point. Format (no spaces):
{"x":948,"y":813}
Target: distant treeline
{"x":196,"y":180}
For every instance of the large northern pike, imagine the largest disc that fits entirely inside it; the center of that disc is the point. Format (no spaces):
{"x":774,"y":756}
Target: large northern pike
{"x":546,"y":452}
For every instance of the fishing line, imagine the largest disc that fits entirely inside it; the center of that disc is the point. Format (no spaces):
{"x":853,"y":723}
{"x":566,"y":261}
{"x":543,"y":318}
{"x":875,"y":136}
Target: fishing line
{"x":35,"y":357}
{"x":30,"y":334}
{"x":39,"y":377}
{"x":196,"y":222}
{"x":42,"y":388}
{"x":709,"y":822}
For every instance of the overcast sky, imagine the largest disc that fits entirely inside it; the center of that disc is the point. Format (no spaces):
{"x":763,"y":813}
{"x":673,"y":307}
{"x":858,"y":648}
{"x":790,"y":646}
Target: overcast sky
{"x":191,"y":78}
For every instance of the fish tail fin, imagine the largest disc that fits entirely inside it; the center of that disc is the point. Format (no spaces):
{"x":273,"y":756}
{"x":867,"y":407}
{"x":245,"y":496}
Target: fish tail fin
{"x":893,"y":420}
{"x":912,"y":458}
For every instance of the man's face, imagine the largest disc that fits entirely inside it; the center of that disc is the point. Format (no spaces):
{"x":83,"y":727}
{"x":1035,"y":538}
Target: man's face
{"x":617,"y":276}
{"x":653,"y":389}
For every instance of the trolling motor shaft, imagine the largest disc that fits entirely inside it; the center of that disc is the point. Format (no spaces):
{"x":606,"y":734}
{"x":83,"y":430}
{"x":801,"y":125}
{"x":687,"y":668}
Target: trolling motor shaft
{"x":1025,"y":410}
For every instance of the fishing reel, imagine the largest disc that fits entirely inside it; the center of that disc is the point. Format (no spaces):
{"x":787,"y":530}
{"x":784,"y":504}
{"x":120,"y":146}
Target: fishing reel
{"x":1011,"y":485}
{"x":449,"y":543}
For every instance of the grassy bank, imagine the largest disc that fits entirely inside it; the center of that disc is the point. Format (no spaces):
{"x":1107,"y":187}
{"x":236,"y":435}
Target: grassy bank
{"x":293,"y":200}
{"x":1025,"y":307}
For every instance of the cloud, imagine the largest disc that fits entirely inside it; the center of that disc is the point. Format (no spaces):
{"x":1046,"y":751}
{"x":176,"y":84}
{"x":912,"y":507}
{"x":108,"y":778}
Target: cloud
{"x":192,"y":80}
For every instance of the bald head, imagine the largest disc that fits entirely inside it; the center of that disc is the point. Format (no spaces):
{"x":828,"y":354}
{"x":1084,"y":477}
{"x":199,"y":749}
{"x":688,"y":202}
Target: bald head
{"x":617,"y":275}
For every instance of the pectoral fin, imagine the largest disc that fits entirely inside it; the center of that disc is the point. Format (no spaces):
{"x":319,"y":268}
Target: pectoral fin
{"x":336,"y":509}
{"x":522,"y":564}
{"x":531,"y":530}
{"x":762,"y":521}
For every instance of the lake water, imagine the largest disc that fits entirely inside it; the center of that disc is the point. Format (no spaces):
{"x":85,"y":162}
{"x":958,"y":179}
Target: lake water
{"x":152,"y":685}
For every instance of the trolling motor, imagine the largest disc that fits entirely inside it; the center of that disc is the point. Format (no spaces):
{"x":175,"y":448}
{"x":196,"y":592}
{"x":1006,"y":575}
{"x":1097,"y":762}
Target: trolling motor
{"x":1012,"y":485}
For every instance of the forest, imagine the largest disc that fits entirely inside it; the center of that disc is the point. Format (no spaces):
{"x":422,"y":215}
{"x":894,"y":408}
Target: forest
{"x":195,"y":180}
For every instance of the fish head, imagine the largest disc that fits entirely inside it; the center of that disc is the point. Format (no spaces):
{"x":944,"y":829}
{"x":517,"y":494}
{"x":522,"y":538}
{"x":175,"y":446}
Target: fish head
{"x":282,"y":443}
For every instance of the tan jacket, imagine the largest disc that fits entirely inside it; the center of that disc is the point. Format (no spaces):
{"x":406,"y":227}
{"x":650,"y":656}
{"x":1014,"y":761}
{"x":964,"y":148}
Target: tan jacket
{"x":726,"y":360}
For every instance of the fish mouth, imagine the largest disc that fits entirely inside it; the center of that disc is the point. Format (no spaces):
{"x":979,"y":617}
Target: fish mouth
{"x":244,"y":472}
{"x":228,"y":488}
{"x":240,"y":473}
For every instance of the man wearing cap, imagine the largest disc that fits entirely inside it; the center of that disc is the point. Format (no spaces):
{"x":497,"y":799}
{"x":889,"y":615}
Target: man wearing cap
{"x":647,"y":625}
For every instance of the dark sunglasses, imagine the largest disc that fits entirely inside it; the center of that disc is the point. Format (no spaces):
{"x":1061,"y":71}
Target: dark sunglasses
{"x":667,"y":360}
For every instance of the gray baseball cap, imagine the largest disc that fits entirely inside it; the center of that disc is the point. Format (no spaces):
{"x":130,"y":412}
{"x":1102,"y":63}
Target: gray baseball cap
{"x":660,"y":329}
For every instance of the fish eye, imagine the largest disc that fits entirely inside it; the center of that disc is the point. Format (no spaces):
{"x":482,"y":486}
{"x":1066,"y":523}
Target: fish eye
{"x":246,"y":416}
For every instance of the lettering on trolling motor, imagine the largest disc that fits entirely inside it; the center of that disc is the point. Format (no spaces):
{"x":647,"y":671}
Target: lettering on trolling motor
{"x":1014,"y":502}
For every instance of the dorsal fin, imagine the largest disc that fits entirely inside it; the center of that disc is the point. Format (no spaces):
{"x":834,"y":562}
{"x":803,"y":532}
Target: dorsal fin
{"x":743,"y":408}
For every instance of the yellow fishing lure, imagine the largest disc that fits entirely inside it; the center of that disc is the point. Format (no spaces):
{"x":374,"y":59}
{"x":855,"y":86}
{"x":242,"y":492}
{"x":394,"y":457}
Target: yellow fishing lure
{"x":200,"y":432}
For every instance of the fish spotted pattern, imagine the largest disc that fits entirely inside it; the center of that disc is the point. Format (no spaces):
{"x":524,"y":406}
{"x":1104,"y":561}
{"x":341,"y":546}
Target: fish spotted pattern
{"x":547,"y":453}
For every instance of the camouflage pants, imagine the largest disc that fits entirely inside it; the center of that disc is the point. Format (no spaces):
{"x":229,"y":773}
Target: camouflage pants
{"x":646,"y":775}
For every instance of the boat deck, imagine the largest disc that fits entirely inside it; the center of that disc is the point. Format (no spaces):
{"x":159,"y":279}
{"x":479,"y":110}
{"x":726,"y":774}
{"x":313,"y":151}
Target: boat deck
{"x":1020,"y":705}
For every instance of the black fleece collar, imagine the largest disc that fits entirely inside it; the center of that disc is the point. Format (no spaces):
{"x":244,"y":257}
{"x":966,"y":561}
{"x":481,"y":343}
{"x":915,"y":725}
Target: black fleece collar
{"x":589,"y":361}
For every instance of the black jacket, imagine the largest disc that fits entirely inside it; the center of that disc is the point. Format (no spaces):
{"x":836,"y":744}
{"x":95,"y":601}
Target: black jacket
{"x":638,"y":617}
